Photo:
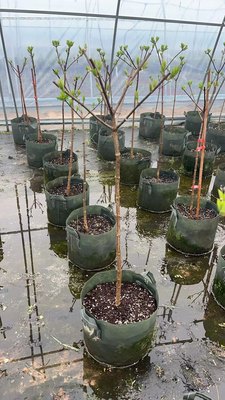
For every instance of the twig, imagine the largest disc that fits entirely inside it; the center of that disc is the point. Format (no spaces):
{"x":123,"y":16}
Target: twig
{"x":65,"y":346}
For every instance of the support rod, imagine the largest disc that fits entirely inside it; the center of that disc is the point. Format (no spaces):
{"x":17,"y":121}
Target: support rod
{"x":7,"y":67}
{"x":4,"y":109}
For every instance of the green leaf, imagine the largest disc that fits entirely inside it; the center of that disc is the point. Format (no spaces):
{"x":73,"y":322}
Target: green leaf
{"x":183,"y":46}
{"x":63,"y":96}
{"x":69,"y":43}
{"x":55,"y":43}
{"x":30,"y":50}
{"x":163,"y":67}
{"x":175,"y":71}
{"x":221,"y":201}
{"x":60,"y":84}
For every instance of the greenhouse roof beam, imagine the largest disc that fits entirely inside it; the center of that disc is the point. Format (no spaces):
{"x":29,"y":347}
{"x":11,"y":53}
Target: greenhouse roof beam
{"x":108,"y":16}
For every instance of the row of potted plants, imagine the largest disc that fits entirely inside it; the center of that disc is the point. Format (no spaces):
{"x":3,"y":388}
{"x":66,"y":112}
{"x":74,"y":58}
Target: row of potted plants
{"x":118,"y":334}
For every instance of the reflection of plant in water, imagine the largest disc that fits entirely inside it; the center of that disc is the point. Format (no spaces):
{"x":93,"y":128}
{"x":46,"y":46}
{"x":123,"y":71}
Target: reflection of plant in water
{"x":113,"y":383}
{"x":106,"y":196}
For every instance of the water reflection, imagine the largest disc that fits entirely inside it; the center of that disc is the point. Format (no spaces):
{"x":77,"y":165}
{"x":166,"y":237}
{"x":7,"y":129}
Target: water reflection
{"x":58,"y":241}
{"x":77,"y":279}
{"x":128,"y":196}
{"x":114,"y":384}
{"x":185,"y":270}
{"x":151,"y":225}
{"x":214,"y":322}
{"x":34,"y":318}
{"x":37,"y":181}
{"x":1,"y":250}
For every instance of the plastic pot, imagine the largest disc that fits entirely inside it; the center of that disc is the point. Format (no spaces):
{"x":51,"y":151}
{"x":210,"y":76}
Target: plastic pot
{"x":20,"y":129}
{"x":95,"y":126}
{"x":124,"y":344}
{"x":216,"y":135}
{"x":91,"y":252}
{"x":188,"y":159}
{"x":36,"y":151}
{"x":151,"y":126}
{"x":173,"y":140}
{"x":156,"y":196}
{"x":53,"y":170}
{"x":193,"y":121}
{"x":219,"y":180}
{"x":106,"y":148}
{"x":191,"y":236}
{"x":130,"y":168}
{"x":59,"y":207}
{"x":219,"y":280}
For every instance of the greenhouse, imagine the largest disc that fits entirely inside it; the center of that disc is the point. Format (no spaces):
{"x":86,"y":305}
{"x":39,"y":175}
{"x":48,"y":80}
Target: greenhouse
{"x":112,"y":193}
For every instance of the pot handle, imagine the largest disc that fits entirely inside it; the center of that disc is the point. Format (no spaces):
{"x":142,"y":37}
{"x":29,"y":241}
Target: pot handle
{"x":174,"y":214}
{"x":75,"y":235}
{"x":150,"y":276}
{"x":90,"y":326}
{"x":191,"y":396}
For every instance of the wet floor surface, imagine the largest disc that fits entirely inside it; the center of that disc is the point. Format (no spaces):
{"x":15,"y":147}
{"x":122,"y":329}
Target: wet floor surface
{"x":41,"y":349}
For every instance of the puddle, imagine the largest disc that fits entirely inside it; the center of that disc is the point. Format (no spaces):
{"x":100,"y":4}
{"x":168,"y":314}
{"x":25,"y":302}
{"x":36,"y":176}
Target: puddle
{"x":42,"y":354}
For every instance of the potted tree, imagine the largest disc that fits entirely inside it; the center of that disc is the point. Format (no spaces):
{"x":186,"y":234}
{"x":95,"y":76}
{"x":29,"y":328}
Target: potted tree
{"x":194,"y":220}
{"x":56,"y":163}
{"x":133,"y":160}
{"x":215,"y":84}
{"x":120,"y":343}
{"x":37,"y":145}
{"x":157,"y":187}
{"x":173,"y":136}
{"x":67,"y":193}
{"x":216,"y":130}
{"x":23,"y":125}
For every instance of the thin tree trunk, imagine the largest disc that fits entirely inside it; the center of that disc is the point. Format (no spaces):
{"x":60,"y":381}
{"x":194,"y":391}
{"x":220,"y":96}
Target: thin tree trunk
{"x":63,"y":126}
{"x":174,"y":102}
{"x":195,"y":171}
{"x":117,"y":201}
{"x":157,"y":102}
{"x":133,"y":117}
{"x":36,"y":104}
{"x":204,"y":128}
{"x":71,"y":154}
{"x":160,"y":136}
{"x":23,"y":103}
{"x":85,"y":179}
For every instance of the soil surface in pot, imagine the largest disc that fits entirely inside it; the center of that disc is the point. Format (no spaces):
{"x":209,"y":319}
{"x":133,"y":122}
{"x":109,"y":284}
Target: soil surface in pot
{"x":204,"y":213}
{"x":97,"y":224}
{"x":163,"y":178}
{"x":44,"y":140}
{"x":76,"y":188}
{"x":137,"y":303}
{"x":137,"y":156}
{"x":61,"y":160}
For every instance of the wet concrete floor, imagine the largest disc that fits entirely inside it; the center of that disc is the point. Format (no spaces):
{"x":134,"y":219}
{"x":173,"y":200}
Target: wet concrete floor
{"x":41,"y":350}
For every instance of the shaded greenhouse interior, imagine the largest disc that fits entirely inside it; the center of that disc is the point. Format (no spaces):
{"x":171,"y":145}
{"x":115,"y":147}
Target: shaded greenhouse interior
{"x":40,"y":307}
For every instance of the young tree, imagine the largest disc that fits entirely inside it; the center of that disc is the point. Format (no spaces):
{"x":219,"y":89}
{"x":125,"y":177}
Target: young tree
{"x":30,"y":50}
{"x":103,"y":77}
{"x":19,"y":72}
